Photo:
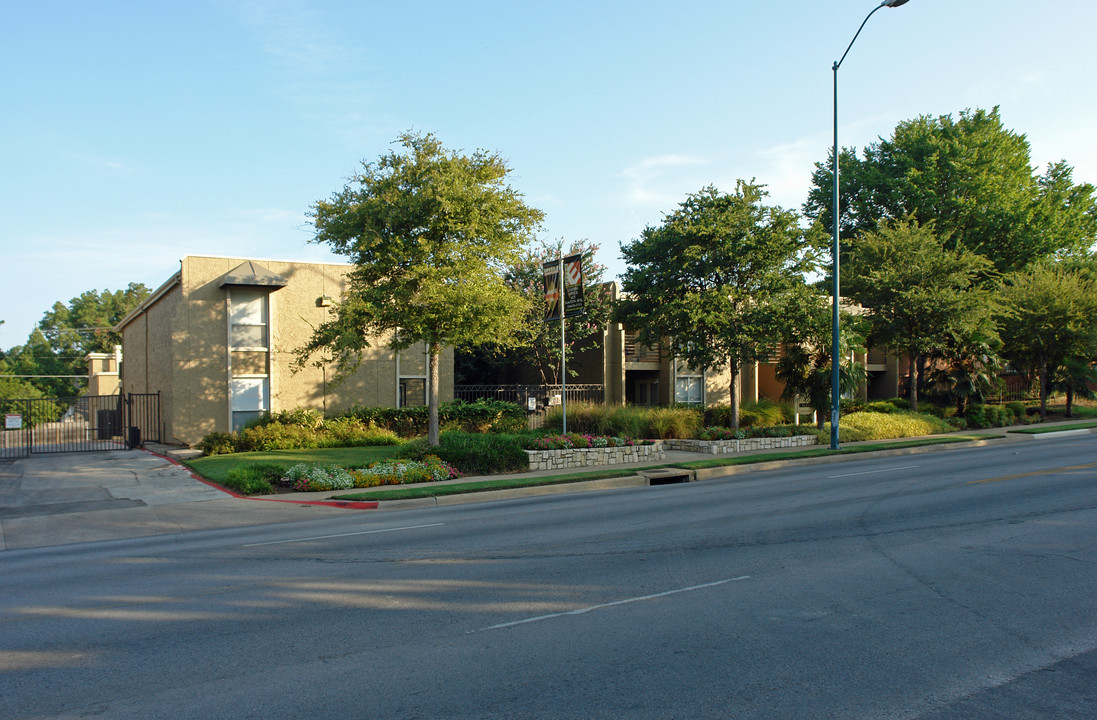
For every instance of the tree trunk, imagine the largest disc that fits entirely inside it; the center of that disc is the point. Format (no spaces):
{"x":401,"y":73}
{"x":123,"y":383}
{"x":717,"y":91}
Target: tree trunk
{"x":915,"y":365}
{"x":1070,"y":397}
{"x":432,"y":395}
{"x":733,"y":392}
{"x":1043,"y":388}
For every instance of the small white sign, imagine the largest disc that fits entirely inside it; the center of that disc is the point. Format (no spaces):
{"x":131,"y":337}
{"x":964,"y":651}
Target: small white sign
{"x":531,"y":404}
{"x":13,"y":422}
{"x":554,"y":400}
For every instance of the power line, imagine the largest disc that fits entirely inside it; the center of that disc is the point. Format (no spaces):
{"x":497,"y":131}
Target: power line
{"x":44,"y":376}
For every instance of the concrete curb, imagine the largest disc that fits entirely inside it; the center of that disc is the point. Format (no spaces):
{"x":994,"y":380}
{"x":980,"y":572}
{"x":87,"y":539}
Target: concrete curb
{"x":1053,"y":434}
{"x":512,"y":493}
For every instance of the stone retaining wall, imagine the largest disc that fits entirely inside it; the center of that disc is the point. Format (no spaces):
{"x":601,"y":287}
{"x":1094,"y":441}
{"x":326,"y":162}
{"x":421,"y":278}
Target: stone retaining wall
{"x":589,"y":457}
{"x":720,"y":447}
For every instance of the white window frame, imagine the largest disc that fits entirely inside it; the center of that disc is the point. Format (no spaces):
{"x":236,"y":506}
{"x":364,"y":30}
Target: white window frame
{"x":249,"y":394}
{"x":694,"y":393}
{"x":696,"y":379}
{"x":249,"y":397}
{"x":425,"y":377}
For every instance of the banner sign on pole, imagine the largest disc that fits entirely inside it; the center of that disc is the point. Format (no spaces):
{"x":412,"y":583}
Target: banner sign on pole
{"x":573,"y":286}
{"x":554,"y":306}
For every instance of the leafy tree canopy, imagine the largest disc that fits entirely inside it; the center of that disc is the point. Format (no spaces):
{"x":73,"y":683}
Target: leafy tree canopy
{"x":917,"y":292}
{"x":971,"y":177}
{"x":430,"y":233}
{"x":714,"y":277}
{"x":60,"y":343}
{"x":1046,"y":319}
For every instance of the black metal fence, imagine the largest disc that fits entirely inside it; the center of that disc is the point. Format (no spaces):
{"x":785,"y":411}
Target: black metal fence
{"x":538,"y":400}
{"x":78,"y":424}
{"x":1014,"y":387}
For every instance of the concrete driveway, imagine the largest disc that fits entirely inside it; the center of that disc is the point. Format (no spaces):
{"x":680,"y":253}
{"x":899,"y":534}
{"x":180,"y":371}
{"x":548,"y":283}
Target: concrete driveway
{"x":56,"y":499}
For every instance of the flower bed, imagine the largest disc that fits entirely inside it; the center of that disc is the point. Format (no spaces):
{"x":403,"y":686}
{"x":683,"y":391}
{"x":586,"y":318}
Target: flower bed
{"x":575,"y":457}
{"x":317,"y":478}
{"x":737,"y":445}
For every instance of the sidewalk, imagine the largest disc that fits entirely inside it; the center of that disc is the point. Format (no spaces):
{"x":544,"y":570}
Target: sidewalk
{"x":82,"y":497}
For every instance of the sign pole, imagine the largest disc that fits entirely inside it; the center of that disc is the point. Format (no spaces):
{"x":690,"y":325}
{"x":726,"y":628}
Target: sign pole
{"x":563,"y":352}
{"x":563,"y":284}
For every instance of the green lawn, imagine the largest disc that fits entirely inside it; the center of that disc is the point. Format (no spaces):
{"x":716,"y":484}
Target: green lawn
{"x":217,"y":467}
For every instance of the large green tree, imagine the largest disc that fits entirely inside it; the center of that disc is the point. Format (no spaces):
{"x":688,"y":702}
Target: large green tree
{"x":970,"y":176}
{"x":714,"y":278}
{"x":431,"y":233}
{"x":1046,"y":319}
{"x":56,"y":349}
{"x":918,"y":294}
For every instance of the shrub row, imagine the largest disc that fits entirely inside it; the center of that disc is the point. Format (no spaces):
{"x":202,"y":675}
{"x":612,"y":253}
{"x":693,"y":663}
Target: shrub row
{"x":306,"y":428}
{"x":270,"y":434}
{"x":764,"y":413}
{"x":626,"y":420}
{"x":668,"y":422}
{"x":473,"y":453}
{"x":988,"y":416}
{"x":868,"y":425}
{"x":480,"y":416}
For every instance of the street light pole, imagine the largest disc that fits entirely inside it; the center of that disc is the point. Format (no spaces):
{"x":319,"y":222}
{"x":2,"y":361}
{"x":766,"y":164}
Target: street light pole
{"x":835,"y":354}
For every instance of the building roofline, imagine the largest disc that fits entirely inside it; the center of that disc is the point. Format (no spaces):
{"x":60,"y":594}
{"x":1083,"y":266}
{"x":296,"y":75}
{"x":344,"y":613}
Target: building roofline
{"x":149,"y":301}
{"x":177,"y":278}
{"x":267,"y":260}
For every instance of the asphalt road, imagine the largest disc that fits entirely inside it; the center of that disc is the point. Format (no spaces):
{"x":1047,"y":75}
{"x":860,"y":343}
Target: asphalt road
{"x":953,"y":584}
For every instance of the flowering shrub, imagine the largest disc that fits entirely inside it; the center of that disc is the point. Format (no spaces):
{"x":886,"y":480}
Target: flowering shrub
{"x":317,"y":478}
{"x":431,"y":469}
{"x":721,"y":433}
{"x":313,"y":478}
{"x":576,"y":440}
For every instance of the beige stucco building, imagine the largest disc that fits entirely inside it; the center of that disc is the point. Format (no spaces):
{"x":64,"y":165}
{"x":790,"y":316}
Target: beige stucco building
{"x":218,"y":342}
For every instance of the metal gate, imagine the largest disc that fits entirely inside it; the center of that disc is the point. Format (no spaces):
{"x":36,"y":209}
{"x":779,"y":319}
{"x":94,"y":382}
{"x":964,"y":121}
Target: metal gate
{"x":78,"y":424}
{"x":536,"y":399}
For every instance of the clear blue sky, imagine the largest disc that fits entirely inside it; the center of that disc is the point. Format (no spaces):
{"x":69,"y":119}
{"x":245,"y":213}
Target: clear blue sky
{"x":135,"y":133}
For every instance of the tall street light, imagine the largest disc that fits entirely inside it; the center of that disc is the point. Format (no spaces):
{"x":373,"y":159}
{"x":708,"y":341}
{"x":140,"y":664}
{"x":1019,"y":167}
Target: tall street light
{"x":835,"y":354}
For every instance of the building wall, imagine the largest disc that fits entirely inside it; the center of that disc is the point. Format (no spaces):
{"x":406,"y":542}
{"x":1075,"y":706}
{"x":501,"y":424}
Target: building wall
{"x":158,"y":338}
{"x":614,"y":363}
{"x":179,"y":346}
{"x":147,"y":347}
{"x":718,"y":386}
{"x":200,"y":343}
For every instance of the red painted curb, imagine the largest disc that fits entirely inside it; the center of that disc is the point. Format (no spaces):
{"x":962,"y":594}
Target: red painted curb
{"x":346,"y":504}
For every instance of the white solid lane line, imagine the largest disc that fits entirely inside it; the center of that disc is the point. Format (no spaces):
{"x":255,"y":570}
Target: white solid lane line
{"x":580,"y":611}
